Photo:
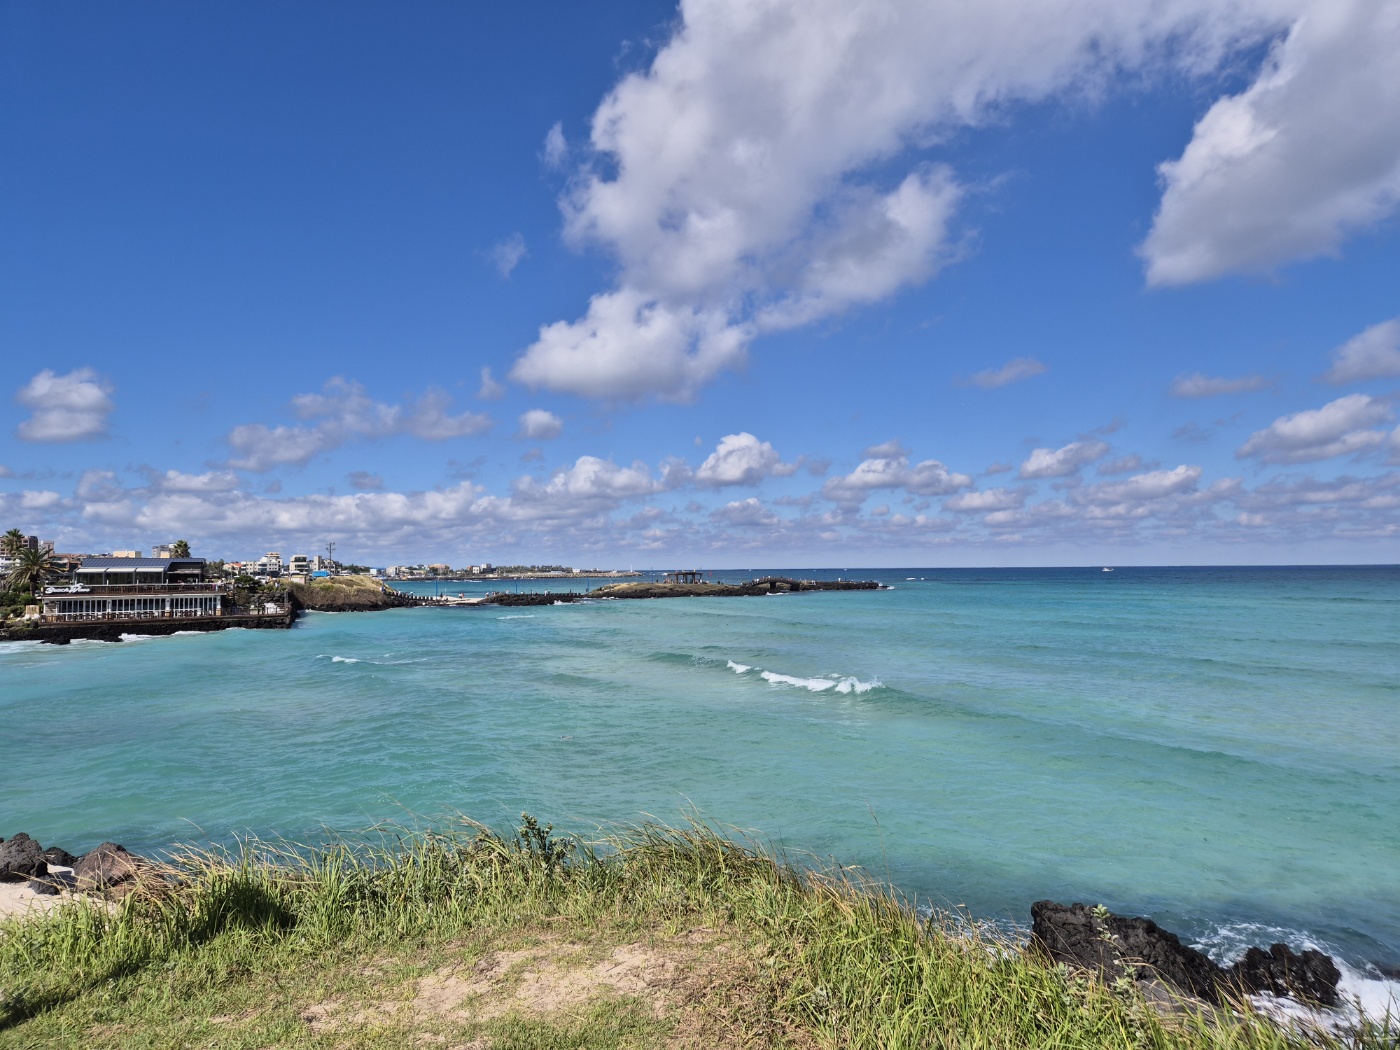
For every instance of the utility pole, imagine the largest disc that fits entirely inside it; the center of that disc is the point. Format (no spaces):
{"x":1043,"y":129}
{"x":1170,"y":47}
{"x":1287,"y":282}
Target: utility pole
{"x":330,"y":557}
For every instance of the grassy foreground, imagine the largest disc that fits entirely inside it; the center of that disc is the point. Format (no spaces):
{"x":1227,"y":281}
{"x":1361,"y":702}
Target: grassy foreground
{"x":471,"y":939}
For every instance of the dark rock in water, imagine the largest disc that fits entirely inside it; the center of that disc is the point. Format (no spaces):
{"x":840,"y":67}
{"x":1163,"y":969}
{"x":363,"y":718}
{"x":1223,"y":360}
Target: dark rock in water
{"x":107,"y":866}
{"x":1116,"y":945}
{"x":20,"y":859}
{"x":60,"y":856}
{"x":1311,"y":977}
{"x":43,"y":887}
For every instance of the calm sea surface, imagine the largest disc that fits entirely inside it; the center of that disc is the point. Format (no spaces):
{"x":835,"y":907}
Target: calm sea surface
{"x":1216,"y":748}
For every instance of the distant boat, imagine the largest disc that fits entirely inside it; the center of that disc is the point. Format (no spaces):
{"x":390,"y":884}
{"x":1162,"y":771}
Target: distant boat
{"x":1108,"y":570}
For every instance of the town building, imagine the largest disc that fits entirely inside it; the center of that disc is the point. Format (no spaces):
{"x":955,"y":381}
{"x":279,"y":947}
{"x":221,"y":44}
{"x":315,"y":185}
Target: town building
{"x":120,"y":588}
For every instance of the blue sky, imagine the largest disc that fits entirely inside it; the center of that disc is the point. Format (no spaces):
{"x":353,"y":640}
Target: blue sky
{"x":888,"y":283}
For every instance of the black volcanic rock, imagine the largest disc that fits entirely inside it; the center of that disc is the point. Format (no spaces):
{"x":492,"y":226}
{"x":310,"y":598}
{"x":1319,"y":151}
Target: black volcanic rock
{"x":1116,"y":945}
{"x":43,"y":887}
{"x":60,"y":856}
{"x":20,"y":859}
{"x":1311,"y":977}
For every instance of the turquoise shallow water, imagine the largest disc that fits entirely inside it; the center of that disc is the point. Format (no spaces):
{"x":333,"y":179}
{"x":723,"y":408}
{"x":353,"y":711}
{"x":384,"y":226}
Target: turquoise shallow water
{"x":1216,"y":748}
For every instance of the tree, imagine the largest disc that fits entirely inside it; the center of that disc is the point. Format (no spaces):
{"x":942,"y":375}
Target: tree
{"x":11,"y":543}
{"x":180,"y":549}
{"x":32,"y":569}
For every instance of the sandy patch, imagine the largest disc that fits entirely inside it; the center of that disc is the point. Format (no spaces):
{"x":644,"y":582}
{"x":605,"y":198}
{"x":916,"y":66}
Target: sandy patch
{"x":17,"y":900}
{"x":549,"y":978}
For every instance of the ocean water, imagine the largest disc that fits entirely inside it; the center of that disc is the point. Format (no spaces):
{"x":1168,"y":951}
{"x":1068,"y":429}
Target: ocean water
{"x":1216,"y":748}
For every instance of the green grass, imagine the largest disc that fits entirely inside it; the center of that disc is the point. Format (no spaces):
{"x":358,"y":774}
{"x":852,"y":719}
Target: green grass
{"x":468,"y":938}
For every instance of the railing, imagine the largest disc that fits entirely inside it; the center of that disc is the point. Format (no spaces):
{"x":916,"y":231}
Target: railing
{"x":107,"y":590}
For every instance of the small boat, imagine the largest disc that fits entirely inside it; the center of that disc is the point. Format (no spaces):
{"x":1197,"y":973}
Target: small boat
{"x":1107,"y":569}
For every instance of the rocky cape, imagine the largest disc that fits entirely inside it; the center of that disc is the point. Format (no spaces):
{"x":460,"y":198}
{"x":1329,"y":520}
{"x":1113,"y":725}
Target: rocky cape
{"x":748,"y":589}
{"x":349,"y":594}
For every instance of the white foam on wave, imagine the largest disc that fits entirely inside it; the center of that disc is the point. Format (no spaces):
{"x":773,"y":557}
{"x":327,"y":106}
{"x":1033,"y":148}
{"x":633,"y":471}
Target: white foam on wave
{"x":1366,"y":994}
{"x":517,"y":616}
{"x":738,"y":668}
{"x":135,"y":637}
{"x":835,"y":683}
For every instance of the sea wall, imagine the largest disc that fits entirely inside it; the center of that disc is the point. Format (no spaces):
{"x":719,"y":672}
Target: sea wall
{"x":112,"y":630}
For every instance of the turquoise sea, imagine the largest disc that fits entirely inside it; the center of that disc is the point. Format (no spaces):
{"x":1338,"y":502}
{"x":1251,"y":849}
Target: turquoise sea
{"x":1218,"y":748}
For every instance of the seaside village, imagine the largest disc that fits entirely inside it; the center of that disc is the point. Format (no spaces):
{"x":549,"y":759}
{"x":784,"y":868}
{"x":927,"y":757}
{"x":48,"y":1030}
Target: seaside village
{"x":43,"y":585}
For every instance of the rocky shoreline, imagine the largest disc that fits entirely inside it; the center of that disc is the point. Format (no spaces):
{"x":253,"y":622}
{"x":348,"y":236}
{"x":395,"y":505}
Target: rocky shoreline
{"x":1087,"y":940}
{"x":748,"y":589}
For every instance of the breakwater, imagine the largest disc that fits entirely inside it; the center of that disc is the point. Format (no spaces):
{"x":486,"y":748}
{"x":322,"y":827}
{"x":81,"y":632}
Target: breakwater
{"x":748,"y":589}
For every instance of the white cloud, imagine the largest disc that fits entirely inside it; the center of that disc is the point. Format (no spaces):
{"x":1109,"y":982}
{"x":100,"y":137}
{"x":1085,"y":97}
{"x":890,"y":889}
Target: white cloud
{"x":1154,"y":485}
{"x":1337,"y":428}
{"x":490,"y":389}
{"x":540,"y":425}
{"x":1374,"y":354}
{"x":748,"y":513}
{"x":210,"y":481}
{"x":887,"y":467}
{"x":70,"y":407}
{"x":507,"y":254}
{"x":1012,"y":372}
{"x":741,"y":459}
{"x":985,"y":501}
{"x":556,"y":147}
{"x":346,"y":413}
{"x":630,"y":345}
{"x":1197,"y":385}
{"x":1308,"y":154}
{"x":761,"y":173}
{"x":1061,"y":462}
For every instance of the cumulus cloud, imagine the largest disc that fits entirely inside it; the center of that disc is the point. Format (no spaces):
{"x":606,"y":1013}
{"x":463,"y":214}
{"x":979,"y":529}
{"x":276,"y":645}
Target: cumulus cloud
{"x":540,"y":425}
{"x":69,"y":407}
{"x":506,"y":254}
{"x":747,"y":513}
{"x":1338,"y":428}
{"x":1197,"y":385}
{"x":741,"y":459}
{"x":1307,"y":154}
{"x":1012,"y":372}
{"x":1374,"y":354}
{"x":1153,"y":485}
{"x":210,"y":481}
{"x":345,"y":413}
{"x":762,"y":172}
{"x":985,"y":501}
{"x":1061,"y":462}
{"x":887,"y":467}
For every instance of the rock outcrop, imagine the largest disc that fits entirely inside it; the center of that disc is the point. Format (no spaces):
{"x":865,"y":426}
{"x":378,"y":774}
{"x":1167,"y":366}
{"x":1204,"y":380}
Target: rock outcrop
{"x":109,"y":866}
{"x":60,"y":856}
{"x":1118,"y":946}
{"x":21,"y":859}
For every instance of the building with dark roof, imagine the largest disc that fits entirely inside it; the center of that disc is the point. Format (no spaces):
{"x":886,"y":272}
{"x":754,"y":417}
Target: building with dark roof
{"x":135,"y":589}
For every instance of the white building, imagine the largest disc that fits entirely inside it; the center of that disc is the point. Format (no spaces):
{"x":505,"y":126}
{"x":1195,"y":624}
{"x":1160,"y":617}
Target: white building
{"x":134,"y":589}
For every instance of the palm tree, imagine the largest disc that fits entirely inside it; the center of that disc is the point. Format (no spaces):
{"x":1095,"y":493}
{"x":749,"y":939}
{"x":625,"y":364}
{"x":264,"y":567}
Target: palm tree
{"x":32,"y":569}
{"x":180,"y":549}
{"x":11,"y":543}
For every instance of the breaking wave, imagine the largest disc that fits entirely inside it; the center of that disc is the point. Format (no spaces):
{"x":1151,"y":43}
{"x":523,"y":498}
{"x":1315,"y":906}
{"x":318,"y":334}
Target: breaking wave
{"x":830,"y":683}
